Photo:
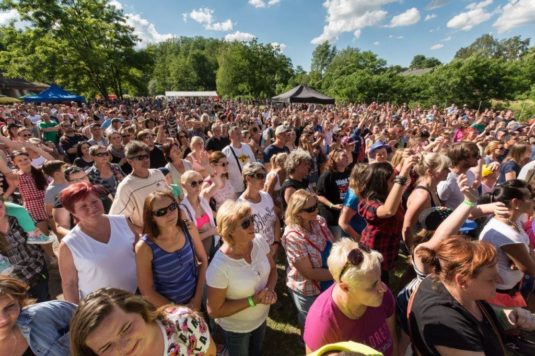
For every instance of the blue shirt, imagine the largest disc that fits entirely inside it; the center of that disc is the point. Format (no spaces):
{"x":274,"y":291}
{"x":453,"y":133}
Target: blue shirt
{"x":357,"y":222}
{"x":45,"y":326}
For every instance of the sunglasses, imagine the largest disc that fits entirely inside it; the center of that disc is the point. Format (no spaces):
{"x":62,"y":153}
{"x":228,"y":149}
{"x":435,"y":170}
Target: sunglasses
{"x":312,"y":209}
{"x":101,"y":154}
{"x":354,"y":258}
{"x":196,"y":183}
{"x":246,"y":223}
{"x":125,"y":136}
{"x":140,"y":157}
{"x":163,"y":211}
{"x":258,"y":176}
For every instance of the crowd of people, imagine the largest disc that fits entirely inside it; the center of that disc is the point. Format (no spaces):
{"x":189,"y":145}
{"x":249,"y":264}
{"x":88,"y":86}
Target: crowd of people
{"x":167,"y":220}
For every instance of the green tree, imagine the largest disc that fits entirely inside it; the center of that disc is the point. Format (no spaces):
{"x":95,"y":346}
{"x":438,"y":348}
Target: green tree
{"x":508,"y":49}
{"x":96,"y":46}
{"x":322,"y":56}
{"x":420,"y":61}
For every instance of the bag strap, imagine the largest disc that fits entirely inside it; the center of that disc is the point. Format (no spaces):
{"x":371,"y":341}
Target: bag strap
{"x":235,"y":157}
{"x":315,"y":283}
{"x":409,"y":325}
{"x":487,"y":316}
{"x":189,"y":213}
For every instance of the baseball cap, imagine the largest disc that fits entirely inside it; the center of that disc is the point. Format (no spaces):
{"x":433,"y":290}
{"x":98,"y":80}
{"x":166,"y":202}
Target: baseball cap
{"x":282,"y":129}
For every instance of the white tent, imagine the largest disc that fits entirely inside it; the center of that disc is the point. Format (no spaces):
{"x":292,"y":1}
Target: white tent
{"x":178,"y":94}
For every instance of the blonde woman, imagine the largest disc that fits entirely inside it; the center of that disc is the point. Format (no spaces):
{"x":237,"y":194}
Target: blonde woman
{"x":359,"y":304}
{"x":241,"y":281}
{"x":307,"y":242}
{"x":199,"y":156}
{"x":275,"y":176}
{"x":432,"y":168}
{"x":266,"y":222}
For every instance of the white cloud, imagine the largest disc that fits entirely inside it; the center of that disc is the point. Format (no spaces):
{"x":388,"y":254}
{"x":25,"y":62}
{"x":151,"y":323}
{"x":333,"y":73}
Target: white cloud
{"x":280,"y":46}
{"x":263,"y":3}
{"x":407,"y":18}
{"x":395,"y":37}
{"x":435,"y":4}
{"x":116,"y":4}
{"x":475,"y":15}
{"x":350,"y":16}
{"x":6,"y":17}
{"x":205,"y":17}
{"x":376,"y":43}
{"x":145,"y":30}
{"x":437,"y":46}
{"x":446,"y":39}
{"x":516,"y":13}
{"x":239,"y":36}
{"x":429,"y":17}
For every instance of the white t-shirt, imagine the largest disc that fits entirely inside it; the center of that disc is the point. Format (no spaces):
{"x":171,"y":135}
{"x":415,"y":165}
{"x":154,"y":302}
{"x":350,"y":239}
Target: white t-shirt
{"x":500,"y":234}
{"x":525,"y":170}
{"x":244,"y":155}
{"x":241,"y":280}
{"x":264,"y":216}
{"x":449,"y":192}
{"x":131,"y":194}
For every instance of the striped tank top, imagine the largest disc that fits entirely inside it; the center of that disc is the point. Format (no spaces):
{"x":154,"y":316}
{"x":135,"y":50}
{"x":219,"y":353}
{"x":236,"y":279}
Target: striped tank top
{"x":174,"y":273}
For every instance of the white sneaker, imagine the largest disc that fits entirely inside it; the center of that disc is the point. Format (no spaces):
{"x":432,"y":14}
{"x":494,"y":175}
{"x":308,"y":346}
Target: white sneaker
{"x":38,"y":239}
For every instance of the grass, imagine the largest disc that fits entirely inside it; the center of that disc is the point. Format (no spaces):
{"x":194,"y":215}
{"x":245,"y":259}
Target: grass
{"x":282,"y":334}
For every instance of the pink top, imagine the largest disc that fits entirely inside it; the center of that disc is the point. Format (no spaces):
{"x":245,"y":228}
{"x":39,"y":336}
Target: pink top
{"x":201,"y":221}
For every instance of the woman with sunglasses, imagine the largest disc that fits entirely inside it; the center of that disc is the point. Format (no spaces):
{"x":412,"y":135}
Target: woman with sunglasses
{"x":241,"y":281}
{"x":103,"y":172}
{"x":307,"y":242}
{"x":98,"y":251}
{"x":266,"y":223}
{"x":170,"y":258}
{"x":183,"y":142}
{"x":358,"y":303}
{"x":197,"y":210}
{"x":84,"y":159}
{"x":217,"y":187}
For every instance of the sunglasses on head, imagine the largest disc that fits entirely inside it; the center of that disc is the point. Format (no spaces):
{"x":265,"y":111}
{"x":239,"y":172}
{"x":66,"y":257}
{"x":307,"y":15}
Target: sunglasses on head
{"x":258,"y":175}
{"x":163,"y":211}
{"x":196,"y":183}
{"x":101,"y":154}
{"x":311,"y":209}
{"x":247,"y":222}
{"x":355,"y":258}
{"x":140,"y":157}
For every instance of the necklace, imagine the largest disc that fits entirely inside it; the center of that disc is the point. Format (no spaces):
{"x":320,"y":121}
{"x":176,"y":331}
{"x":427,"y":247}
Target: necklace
{"x":511,"y":223}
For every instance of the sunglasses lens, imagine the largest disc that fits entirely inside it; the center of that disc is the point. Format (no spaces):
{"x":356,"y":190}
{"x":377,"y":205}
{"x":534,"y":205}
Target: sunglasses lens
{"x":246,"y":223}
{"x":160,"y":212}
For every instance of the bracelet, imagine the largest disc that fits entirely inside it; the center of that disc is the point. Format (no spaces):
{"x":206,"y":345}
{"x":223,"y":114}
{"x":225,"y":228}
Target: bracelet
{"x":400,"y":180}
{"x":470,"y":203}
{"x":251,"y":302}
{"x":330,"y":205}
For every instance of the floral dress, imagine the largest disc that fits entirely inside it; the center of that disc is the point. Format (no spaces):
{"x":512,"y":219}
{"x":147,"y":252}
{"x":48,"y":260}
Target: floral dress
{"x":185,"y":332}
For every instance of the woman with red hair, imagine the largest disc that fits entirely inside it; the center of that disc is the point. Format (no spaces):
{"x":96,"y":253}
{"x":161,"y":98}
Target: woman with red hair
{"x":99,"y":251}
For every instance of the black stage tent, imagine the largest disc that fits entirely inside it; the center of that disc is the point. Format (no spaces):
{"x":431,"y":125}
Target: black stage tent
{"x":303,"y":94}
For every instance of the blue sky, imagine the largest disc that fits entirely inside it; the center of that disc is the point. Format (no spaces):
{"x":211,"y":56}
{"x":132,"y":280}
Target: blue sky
{"x":394,"y":29}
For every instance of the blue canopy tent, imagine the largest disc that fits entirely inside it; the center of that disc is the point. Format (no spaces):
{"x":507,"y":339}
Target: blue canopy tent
{"x":53,"y":94}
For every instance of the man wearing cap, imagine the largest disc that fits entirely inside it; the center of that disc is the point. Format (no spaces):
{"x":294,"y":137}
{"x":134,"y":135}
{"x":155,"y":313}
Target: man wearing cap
{"x":282,"y":135}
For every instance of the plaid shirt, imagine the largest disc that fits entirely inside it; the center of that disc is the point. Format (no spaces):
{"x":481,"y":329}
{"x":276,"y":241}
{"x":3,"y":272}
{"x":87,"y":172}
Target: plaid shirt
{"x":111,"y":183}
{"x":383,"y":235}
{"x":297,"y":247}
{"x":27,"y":260}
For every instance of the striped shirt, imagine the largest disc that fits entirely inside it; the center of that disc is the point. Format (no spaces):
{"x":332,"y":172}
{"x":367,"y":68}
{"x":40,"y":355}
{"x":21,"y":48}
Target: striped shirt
{"x":174,"y":273}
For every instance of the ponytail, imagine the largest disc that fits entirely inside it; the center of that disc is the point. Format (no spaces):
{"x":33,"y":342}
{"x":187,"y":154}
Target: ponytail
{"x":39,"y":178}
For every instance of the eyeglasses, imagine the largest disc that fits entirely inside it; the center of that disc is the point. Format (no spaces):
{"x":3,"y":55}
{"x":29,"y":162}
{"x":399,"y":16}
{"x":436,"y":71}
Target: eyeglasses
{"x":140,"y":157}
{"x":196,"y":183}
{"x":163,"y":211}
{"x":355,"y":258}
{"x":223,"y":164}
{"x":258,"y":176}
{"x":102,"y":154}
{"x":311,"y":209}
{"x":247,"y":222}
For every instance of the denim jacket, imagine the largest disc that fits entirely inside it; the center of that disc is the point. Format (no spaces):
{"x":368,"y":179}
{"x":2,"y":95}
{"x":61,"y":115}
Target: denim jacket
{"x":45,"y":327}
